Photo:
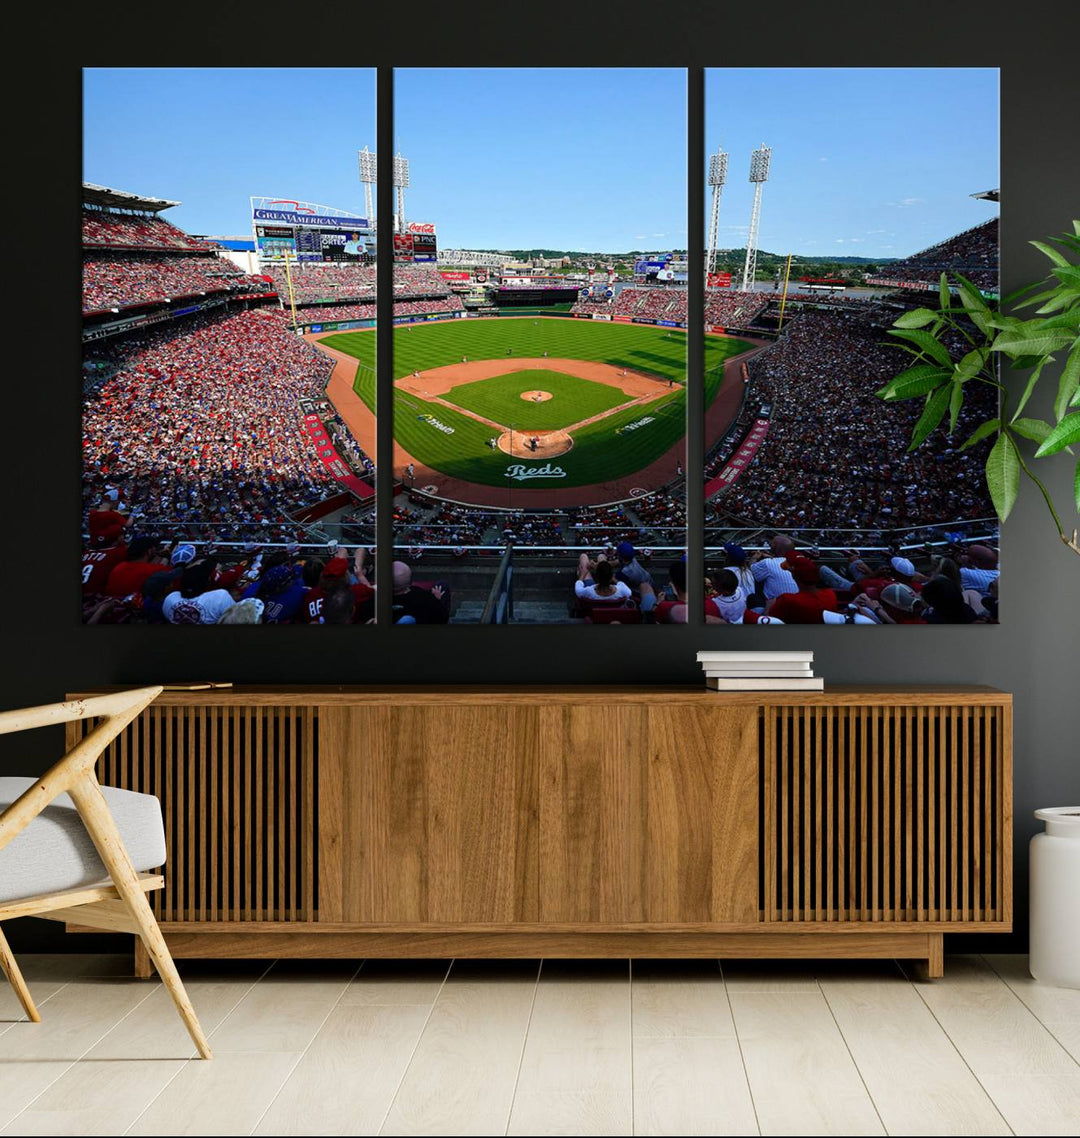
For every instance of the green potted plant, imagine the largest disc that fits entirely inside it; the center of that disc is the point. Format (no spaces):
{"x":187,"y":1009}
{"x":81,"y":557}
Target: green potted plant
{"x":988,"y":332}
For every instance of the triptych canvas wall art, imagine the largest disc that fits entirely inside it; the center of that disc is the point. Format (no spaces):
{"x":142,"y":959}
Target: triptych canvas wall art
{"x":542,"y":284}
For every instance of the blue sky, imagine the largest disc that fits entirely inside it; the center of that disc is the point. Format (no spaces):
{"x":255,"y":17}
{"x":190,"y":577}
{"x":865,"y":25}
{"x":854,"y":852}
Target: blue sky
{"x":865,"y":162}
{"x":211,"y":138}
{"x":591,"y":159}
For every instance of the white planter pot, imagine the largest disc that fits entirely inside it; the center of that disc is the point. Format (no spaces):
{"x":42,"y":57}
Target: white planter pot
{"x":1055,"y":898}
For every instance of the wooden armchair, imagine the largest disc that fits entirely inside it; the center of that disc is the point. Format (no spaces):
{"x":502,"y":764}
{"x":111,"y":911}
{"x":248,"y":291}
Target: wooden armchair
{"x":55,"y":873}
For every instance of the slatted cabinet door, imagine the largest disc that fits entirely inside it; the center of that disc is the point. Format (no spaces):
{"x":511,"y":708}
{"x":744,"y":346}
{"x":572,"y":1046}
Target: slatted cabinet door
{"x":887,"y":813}
{"x":237,"y":785}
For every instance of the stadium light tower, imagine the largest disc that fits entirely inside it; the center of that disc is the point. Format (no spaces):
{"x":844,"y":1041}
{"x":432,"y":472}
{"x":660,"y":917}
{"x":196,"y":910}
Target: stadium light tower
{"x":759,"y":175}
{"x":368,"y":179}
{"x":717,"y":178}
{"x":401,"y":180}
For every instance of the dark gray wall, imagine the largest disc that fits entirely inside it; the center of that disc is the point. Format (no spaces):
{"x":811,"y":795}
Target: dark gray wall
{"x":1033,"y":653}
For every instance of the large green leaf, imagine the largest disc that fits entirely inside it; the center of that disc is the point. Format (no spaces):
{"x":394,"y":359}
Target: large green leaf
{"x":970,"y":365}
{"x":1064,"y":434}
{"x":933,"y":413}
{"x":925,"y":342}
{"x":915,"y":381}
{"x":1068,"y":384}
{"x":1068,"y":274}
{"x":1003,"y":475}
{"x":1050,"y":252}
{"x":1033,"y":341}
{"x":1032,"y":380}
{"x":1034,"y":429}
{"x":916,"y":318}
{"x":976,"y":308}
{"x":981,"y":431}
{"x":956,"y":401}
{"x":943,"y":292}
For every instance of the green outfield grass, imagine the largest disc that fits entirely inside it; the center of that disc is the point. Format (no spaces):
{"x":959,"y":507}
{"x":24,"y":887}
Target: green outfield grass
{"x":601,"y":451}
{"x":572,"y":399}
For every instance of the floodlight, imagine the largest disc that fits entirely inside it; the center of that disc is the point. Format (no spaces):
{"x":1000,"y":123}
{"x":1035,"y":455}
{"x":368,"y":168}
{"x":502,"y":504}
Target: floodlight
{"x":367,"y":166}
{"x":401,"y":171}
{"x":718,"y":168}
{"x":759,"y":163}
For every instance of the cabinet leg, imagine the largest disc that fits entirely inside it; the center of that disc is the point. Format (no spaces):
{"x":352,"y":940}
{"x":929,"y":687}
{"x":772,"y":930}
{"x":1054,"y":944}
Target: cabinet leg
{"x":935,"y":963}
{"x":143,"y":969}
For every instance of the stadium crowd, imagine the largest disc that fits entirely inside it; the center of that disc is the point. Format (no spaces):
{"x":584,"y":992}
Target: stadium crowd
{"x":733,"y":308}
{"x":119,"y":280}
{"x":973,"y":253}
{"x":199,"y":422}
{"x":352,"y":281}
{"x":835,"y":454}
{"x":134,"y":231}
{"x":785,"y":584}
{"x":723,"y":307}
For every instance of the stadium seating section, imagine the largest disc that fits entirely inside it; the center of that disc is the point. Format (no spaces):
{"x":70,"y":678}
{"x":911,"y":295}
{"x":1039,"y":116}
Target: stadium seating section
{"x":973,"y":254}
{"x":723,"y":307}
{"x":134,"y":231}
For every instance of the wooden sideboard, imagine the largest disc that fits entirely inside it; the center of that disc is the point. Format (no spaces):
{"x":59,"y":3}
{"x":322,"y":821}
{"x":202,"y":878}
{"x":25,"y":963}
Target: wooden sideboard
{"x":590,"y":821}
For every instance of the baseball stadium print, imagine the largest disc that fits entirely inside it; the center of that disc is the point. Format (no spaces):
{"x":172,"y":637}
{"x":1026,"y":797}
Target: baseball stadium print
{"x":220,"y":483}
{"x":540,"y":413}
{"x":829,"y":235}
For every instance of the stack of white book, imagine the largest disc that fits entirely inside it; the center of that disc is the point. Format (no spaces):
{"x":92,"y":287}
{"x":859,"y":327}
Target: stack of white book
{"x":760,"y":671}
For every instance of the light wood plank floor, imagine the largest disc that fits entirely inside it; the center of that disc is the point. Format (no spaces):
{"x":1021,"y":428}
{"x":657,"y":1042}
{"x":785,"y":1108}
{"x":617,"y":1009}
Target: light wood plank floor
{"x":559,"y":1047}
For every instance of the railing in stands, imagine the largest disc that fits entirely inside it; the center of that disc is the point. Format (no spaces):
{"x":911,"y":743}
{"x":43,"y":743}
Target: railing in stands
{"x":500,"y":603}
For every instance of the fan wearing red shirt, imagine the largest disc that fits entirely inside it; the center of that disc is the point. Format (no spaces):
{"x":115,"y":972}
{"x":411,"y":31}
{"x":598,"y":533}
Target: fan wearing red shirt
{"x":334,"y":576}
{"x":106,"y":550}
{"x":143,"y":561}
{"x":807,"y":605}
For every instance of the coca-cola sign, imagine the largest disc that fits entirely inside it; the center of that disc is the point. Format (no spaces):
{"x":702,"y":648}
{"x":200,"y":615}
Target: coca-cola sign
{"x":420,"y":227}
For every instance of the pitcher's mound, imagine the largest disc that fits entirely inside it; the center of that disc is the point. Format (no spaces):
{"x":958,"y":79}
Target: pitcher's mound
{"x":536,"y":396}
{"x":548,"y":443}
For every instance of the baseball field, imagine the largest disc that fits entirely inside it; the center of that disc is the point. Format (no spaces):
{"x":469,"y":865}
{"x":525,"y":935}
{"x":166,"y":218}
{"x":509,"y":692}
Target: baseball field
{"x":595,"y":401}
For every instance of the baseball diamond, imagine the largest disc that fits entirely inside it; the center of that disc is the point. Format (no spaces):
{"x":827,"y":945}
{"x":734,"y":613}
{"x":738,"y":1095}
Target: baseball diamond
{"x":612,"y":406}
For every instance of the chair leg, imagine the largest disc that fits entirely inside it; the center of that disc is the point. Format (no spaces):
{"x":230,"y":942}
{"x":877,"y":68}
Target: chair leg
{"x":106,"y":838}
{"x":15,"y":979}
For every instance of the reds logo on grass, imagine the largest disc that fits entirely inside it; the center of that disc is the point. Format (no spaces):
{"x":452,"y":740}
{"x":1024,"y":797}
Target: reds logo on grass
{"x":519,"y":473}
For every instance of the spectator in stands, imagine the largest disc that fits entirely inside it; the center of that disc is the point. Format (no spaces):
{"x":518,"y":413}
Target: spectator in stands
{"x":728,"y":602}
{"x":279,"y":589}
{"x":898,"y":604}
{"x":675,"y":611}
{"x":945,"y":603}
{"x":596,"y":583}
{"x":336,"y":575}
{"x":249,"y":611}
{"x":770,"y":571}
{"x":144,"y":558}
{"x":107,"y":549}
{"x":948,"y":567}
{"x":422,"y":606}
{"x":631,"y":572}
{"x":978,"y":568}
{"x":811,"y":600}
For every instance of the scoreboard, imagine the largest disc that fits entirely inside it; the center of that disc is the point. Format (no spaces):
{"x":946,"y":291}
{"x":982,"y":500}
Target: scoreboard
{"x":416,"y":243}
{"x":308,"y":232}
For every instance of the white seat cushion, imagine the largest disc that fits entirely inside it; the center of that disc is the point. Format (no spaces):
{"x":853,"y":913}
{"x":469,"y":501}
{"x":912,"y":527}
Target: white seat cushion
{"x":55,"y":852}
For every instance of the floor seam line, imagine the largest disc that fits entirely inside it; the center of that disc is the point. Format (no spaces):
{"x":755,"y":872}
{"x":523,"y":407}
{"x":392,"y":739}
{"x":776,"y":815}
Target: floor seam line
{"x":304,"y":1051}
{"x":416,"y":1046}
{"x":738,"y":1042}
{"x":963,"y":1057}
{"x":524,"y":1042}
